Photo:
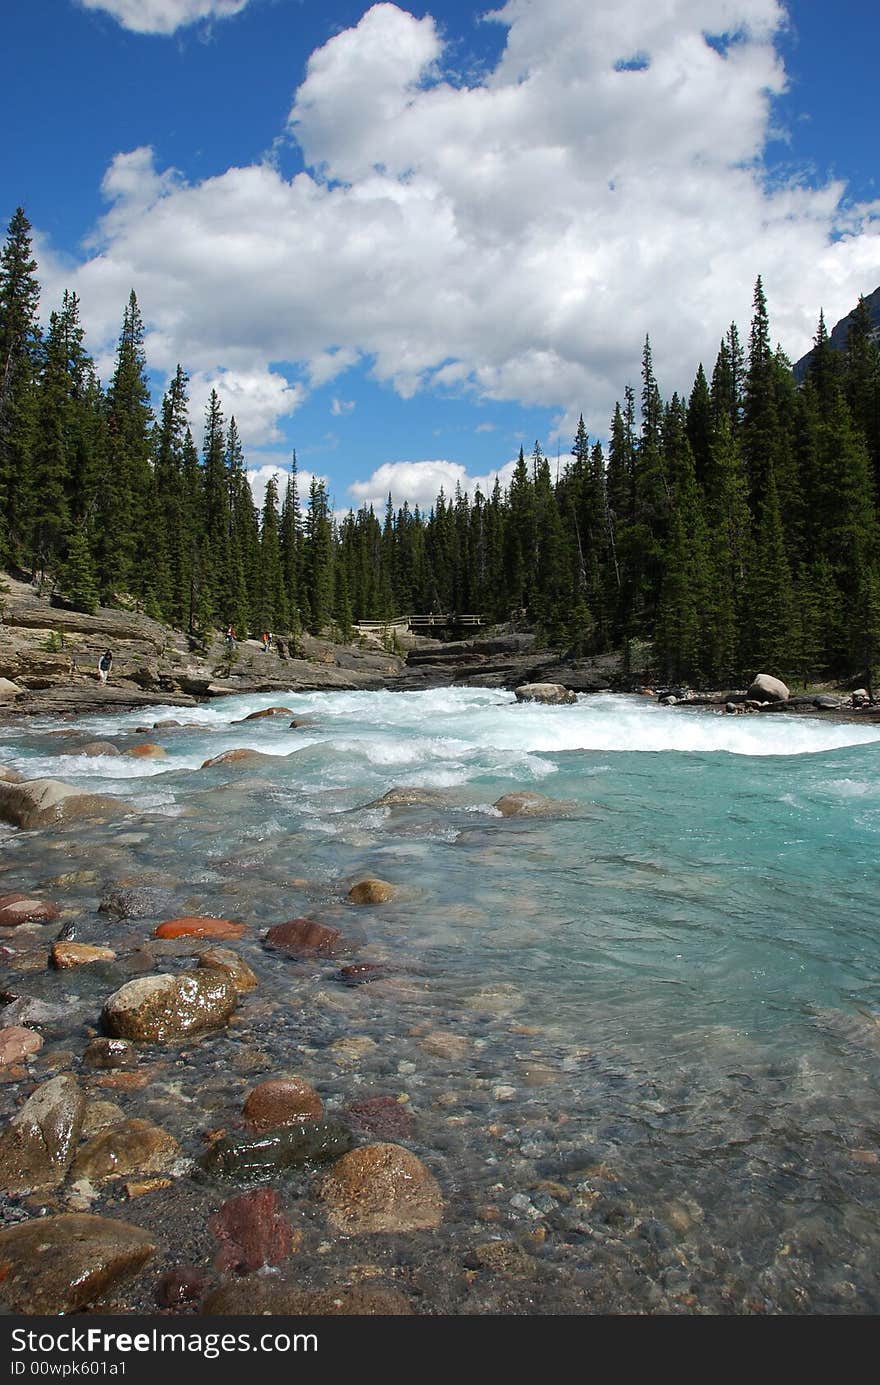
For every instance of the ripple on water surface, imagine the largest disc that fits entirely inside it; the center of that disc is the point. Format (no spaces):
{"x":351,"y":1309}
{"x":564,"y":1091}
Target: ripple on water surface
{"x":641,"y":1024}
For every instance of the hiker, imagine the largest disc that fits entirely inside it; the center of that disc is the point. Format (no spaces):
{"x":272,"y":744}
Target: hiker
{"x":105,"y":663}
{"x":230,"y":637}
{"x":265,"y":642}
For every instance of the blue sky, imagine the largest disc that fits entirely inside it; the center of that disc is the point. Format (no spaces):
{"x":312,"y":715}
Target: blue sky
{"x":406,"y":239}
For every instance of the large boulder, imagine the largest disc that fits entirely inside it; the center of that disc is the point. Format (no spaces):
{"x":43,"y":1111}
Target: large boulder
{"x":554,"y":694}
{"x":381,"y":1187}
{"x":766,"y":688}
{"x":9,"y":690}
{"x":37,"y":1147}
{"x":52,"y":1265}
{"x":48,"y":802}
{"x":242,"y":756}
{"x":159,"y":1009}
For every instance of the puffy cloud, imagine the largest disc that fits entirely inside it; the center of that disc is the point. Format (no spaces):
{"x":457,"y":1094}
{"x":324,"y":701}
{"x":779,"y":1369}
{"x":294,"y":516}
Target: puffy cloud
{"x":254,"y":398}
{"x":260,"y":475}
{"x":340,"y":407}
{"x":164,"y":16}
{"x":419,"y":483}
{"x":514,"y":238}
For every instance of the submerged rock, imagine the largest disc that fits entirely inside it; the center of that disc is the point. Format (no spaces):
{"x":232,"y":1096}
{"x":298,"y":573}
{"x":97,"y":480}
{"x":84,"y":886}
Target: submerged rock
{"x":37,"y":1147}
{"x":267,"y":712}
{"x":136,"y":902}
{"x":381,"y":1188}
{"x":291,"y":1147}
{"x":766,"y":688}
{"x":382,"y":1116}
{"x":64,"y":956}
{"x":282,"y":1101}
{"x":554,"y":694}
{"x":147,"y":750}
{"x":132,"y":1146}
{"x":240,"y":757}
{"x":109,"y":1053}
{"x":273,"y":1297}
{"x":93,"y":748}
{"x":235,"y":967}
{"x":53,"y":1265}
{"x":406,"y":797}
{"x":305,"y":937}
{"x":371,"y":891}
{"x":184,"y":1284}
{"x":523,"y":803}
{"x":22,"y":908}
{"x":17,"y":1043}
{"x":48,"y":802}
{"x":198,"y":927}
{"x":253,"y":1231}
{"x":167,"y":1007}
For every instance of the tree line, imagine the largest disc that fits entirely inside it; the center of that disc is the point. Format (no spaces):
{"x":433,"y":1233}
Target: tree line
{"x":731,"y":530}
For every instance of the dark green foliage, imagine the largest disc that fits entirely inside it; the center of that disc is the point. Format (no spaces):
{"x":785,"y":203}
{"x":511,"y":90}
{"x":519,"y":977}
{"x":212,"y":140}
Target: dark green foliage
{"x":733,"y":532}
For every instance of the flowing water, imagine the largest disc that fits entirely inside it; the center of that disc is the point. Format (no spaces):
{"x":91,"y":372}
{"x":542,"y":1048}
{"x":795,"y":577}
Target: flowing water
{"x":638,"y":1036}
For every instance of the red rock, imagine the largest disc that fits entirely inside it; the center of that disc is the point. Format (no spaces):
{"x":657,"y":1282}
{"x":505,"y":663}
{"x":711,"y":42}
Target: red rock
{"x":252,"y":1231}
{"x":17,"y":1043}
{"x":382,"y":1116}
{"x":147,"y":751}
{"x":282,"y":1101}
{"x":22,"y":908}
{"x":196,"y":927}
{"x":304,"y":937}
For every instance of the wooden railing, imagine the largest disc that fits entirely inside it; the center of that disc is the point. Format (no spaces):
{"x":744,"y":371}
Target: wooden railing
{"x":415,"y":623}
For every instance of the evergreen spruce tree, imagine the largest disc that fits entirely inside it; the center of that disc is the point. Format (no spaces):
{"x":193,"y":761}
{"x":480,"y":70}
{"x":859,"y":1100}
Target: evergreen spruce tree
{"x":20,"y":353}
{"x":77,"y":576}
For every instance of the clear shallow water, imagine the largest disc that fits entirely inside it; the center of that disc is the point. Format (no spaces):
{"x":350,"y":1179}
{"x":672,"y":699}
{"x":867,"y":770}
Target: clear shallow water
{"x":674,"y":976}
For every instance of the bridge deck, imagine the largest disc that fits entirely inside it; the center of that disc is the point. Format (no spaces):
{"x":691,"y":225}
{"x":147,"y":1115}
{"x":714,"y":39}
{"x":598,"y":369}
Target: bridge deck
{"x":449,"y":621}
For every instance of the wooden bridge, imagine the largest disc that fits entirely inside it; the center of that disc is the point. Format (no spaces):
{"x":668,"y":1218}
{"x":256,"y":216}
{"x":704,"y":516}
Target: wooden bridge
{"x":421,"y":625}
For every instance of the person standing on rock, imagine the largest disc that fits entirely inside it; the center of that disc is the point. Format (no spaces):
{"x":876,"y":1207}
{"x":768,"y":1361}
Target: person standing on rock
{"x":105,"y":664}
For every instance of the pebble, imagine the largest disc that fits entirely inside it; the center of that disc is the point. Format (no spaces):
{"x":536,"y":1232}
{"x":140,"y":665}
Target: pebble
{"x":197,"y":927}
{"x":371,"y":891}
{"x":282,"y":1101}
{"x":64,"y":956}
{"x":131,"y":1147}
{"x":305,"y":937}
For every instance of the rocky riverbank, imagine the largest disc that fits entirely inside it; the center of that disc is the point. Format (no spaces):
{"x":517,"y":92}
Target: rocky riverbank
{"x":49,"y":656}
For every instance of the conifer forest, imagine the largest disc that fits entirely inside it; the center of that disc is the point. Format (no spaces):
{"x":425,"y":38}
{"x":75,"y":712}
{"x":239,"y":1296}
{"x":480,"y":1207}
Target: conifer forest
{"x":732,"y":529}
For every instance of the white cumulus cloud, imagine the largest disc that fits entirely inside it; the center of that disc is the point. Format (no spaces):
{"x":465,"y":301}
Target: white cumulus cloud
{"x":514,"y":238}
{"x":164,"y":16}
{"x":419,"y":483}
